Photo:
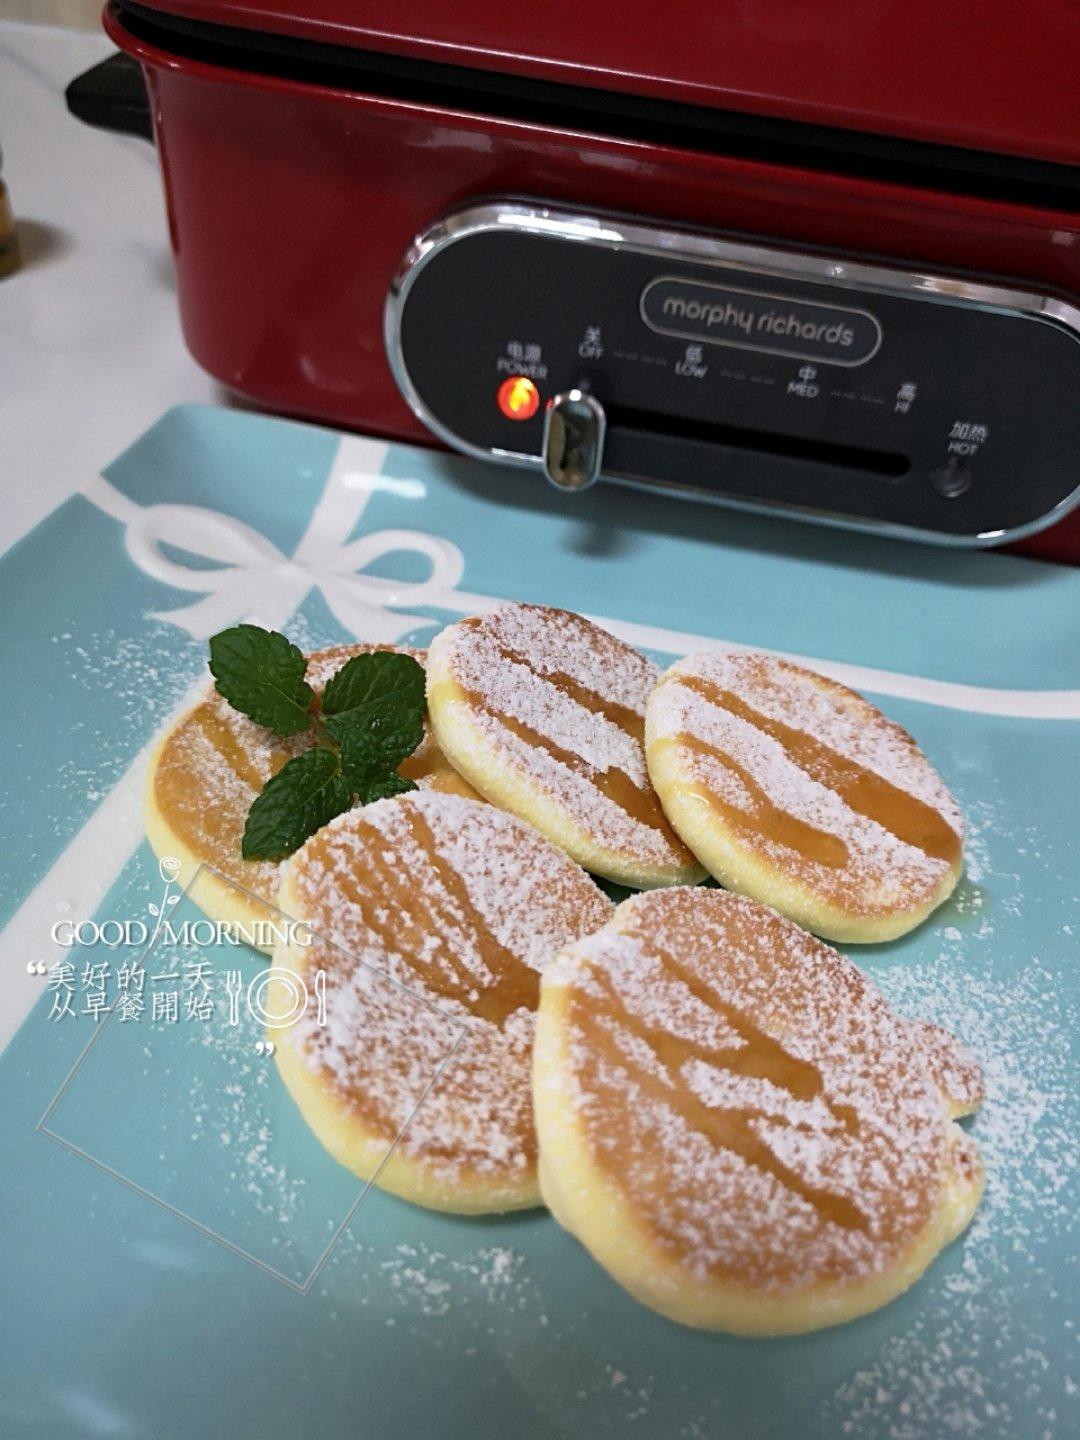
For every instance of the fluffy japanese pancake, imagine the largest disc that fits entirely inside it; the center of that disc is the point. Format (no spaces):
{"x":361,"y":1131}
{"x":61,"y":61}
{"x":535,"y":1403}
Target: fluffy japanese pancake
{"x":432,"y":918}
{"x":796,"y":791}
{"x":543,"y":712}
{"x":206,"y":772}
{"x":735,"y":1123}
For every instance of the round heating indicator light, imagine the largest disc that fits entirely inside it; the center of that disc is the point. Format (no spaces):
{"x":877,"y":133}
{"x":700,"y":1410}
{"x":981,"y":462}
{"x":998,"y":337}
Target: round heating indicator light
{"x":518,"y":398}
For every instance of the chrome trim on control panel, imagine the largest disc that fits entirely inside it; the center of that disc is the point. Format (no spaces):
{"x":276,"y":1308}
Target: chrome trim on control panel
{"x":645,"y":238}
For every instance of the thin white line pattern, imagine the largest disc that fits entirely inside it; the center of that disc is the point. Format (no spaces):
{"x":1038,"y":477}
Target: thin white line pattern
{"x":45,"y":1127}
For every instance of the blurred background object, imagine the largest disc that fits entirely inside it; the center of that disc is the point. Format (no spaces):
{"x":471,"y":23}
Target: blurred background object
{"x":75,"y":14}
{"x":9,"y":240}
{"x":90,"y":346}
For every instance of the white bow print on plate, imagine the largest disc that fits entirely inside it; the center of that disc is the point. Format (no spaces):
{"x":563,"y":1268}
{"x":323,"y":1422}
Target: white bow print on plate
{"x":251,"y":579}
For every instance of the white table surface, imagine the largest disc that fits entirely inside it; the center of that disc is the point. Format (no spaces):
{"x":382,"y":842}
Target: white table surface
{"x":90,"y":347}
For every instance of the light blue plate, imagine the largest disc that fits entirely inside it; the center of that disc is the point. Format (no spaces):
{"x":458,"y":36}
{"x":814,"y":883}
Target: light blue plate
{"x":179,"y":1258}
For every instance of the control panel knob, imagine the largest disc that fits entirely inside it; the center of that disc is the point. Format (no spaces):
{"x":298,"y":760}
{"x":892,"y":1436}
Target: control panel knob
{"x":574,"y":429}
{"x":952,"y":477}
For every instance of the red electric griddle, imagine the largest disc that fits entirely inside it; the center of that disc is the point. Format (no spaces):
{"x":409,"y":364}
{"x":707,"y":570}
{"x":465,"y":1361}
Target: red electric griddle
{"x":822,"y":259}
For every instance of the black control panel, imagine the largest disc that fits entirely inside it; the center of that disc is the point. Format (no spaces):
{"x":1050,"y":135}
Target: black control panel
{"x":731,"y":371}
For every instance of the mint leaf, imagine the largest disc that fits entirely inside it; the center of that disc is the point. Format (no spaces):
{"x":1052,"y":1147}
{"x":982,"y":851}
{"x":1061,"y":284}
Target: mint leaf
{"x":304,"y":795}
{"x":261,"y":674}
{"x":370,"y":719}
{"x":385,"y":788}
{"x":380,"y":746}
{"x":368,"y":771}
{"x":381,"y":693}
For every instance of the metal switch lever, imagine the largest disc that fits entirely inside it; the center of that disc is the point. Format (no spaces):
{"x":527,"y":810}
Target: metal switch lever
{"x":574,"y":429}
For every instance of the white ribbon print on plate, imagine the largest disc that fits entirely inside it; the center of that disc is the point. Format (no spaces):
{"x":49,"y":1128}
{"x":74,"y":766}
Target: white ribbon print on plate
{"x":251,"y":579}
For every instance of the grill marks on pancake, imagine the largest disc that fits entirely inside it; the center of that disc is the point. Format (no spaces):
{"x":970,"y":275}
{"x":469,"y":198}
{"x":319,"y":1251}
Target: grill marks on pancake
{"x":771,"y":822}
{"x":516,"y":984}
{"x":623,"y":716}
{"x":635,"y":798}
{"x":760,"y":1057}
{"x":209,"y":771}
{"x":638,"y":801}
{"x":228,"y":745}
{"x":762,"y":1113}
{"x":430,"y":906}
{"x":865,"y":792}
{"x":456,"y":902}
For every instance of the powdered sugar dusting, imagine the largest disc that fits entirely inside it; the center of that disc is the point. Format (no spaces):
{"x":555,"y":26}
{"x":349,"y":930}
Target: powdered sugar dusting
{"x":462,"y":905}
{"x":955,"y":1071}
{"x":810,"y":1146}
{"x":571,"y":691}
{"x":882,"y":871}
{"x":966,"y":1366}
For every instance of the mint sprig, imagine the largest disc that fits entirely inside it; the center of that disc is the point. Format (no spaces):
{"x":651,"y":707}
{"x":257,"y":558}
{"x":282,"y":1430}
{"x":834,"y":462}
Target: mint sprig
{"x":370,"y":719}
{"x":378,"y":698}
{"x":261,"y":674}
{"x":304,"y":795}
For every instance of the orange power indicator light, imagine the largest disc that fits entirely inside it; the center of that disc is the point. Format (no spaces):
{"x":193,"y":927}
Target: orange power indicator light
{"x":518,"y":398}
